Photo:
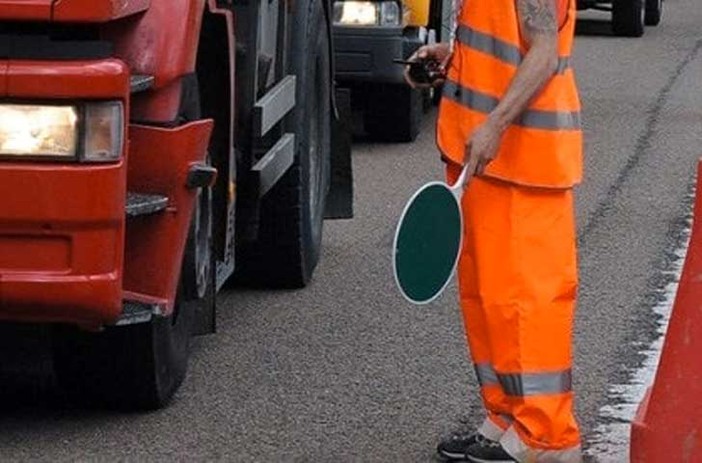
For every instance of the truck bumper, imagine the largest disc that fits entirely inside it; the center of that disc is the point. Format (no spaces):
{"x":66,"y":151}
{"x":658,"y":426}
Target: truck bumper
{"x":61,"y":243}
{"x":365,"y":54}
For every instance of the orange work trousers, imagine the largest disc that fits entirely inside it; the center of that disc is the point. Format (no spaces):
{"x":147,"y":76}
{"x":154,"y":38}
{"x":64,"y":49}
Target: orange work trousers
{"x":517,"y":281}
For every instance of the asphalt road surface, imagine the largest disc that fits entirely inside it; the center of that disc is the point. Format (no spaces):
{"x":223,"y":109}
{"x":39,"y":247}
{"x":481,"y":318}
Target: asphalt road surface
{"x":346,"y":370}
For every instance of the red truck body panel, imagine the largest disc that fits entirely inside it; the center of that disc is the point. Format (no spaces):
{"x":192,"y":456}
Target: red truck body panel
{"x":66,"y":80}
{"x":61,"y":235}
{"x":96,"y":10}
{"x":26,"y":10}
{"x":157,"y":44}
{"x":74,"y":11}
{"x":155,"y":243}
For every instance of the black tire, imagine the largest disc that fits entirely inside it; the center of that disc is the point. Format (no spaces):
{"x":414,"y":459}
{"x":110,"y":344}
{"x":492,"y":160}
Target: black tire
{"x":393,"y":113}
{"x":628,"y":18}
{"x":135,"y":367}
{"x":654,"y":12}
{"x":438,"y":91}
{"x":427,"y":100}
{"x":292,"y":213}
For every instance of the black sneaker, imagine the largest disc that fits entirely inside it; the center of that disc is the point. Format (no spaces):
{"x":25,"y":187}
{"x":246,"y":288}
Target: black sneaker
{"x":454,"y":447}
{"x":488,"y":451}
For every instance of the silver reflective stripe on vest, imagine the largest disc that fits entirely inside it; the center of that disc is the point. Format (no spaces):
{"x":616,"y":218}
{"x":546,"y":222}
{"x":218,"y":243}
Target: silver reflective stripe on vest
{"x":486,"y":374}
{"x":528,"y":384}
{"x":499,"y":49}
{"x":532,"y":118}
{"x":489,"y":45}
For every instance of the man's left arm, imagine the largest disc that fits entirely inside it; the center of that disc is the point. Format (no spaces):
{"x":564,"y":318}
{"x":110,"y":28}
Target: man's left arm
{"x":539,"y":30}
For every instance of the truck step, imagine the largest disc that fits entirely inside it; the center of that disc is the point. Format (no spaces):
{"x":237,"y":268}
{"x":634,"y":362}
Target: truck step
{"x":141,"y":204}
{"x":136,"y":312}
{"x":140,"y":83}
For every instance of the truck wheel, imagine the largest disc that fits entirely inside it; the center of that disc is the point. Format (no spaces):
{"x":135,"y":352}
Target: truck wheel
{"x":134,"y":367}
{"x":291,"y":215}
{"x":654,"y":11}
{"x":628,"y":18}
{"x":393,"y":113}
{"x":199,"y":266}
{"x":436,"y":96}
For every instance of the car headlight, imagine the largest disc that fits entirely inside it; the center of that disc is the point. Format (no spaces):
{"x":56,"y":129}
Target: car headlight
{"x":91,"y":132}
{"x":363,"y":13}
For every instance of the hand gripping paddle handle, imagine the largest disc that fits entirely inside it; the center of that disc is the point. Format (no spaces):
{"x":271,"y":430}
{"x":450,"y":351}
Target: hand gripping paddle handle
{"x":457,"y":188}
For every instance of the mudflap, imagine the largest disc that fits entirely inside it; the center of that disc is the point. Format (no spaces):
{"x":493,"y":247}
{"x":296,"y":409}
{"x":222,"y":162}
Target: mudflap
{"x":340,"y":197}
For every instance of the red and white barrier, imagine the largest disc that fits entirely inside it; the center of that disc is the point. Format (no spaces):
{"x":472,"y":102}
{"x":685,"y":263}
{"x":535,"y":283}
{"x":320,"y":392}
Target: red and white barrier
{"x":667,"y":427}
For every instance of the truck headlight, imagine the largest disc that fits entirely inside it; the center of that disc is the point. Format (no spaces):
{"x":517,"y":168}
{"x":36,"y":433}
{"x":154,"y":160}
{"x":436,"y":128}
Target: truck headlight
{"x":364,"y":13}
{"x":91,"y":132}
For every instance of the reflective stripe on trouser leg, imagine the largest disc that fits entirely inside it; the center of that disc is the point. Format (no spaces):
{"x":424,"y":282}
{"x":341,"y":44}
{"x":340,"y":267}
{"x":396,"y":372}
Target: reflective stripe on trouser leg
{"x":494,"y":399}
{"x":523,"y":269}
{"x":495,"y":424}
{"x":530,"y":384}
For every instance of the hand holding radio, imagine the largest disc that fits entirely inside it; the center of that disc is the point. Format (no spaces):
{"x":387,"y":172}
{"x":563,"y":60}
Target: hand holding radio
{"x":426,"y":67}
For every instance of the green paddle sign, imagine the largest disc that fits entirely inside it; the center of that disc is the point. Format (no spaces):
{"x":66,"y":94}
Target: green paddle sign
{"x":428,"y":241}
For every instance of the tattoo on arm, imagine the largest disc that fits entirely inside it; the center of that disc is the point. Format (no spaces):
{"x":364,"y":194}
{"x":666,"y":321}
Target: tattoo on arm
{"x":538,"y":16}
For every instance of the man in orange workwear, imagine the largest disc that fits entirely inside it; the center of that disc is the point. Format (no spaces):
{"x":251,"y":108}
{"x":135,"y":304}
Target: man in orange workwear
{"x":510,"y":114}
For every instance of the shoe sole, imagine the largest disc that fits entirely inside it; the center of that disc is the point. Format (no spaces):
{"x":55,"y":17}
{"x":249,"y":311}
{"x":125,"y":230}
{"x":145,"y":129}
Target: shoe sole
{"x":448,"y":456}
{"x":480,"y":460}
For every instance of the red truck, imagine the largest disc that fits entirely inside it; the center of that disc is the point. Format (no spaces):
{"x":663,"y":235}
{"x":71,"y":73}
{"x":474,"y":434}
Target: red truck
{"x":149,"y":149}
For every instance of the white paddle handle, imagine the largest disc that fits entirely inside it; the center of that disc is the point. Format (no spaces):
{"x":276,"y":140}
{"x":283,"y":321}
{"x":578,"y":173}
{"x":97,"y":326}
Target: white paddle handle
{"x":457,"y":188}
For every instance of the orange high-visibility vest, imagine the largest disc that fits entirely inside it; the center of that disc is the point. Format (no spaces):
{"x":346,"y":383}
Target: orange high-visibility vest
{"x":543,"y":147}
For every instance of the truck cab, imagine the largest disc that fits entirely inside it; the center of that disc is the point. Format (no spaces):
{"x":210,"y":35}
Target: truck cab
{"x":368,"y":36}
